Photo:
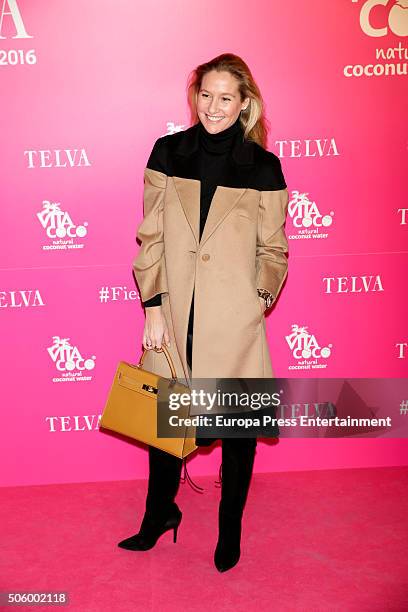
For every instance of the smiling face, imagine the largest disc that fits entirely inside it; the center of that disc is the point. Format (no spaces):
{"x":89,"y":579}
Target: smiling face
{"x":218,"y":101}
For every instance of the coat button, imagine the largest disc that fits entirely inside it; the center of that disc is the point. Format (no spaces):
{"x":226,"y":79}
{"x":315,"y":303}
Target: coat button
{"x":205,"y":257}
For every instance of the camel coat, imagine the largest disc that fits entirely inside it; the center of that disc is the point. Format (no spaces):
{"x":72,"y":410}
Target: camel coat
{"x":243,"y":247}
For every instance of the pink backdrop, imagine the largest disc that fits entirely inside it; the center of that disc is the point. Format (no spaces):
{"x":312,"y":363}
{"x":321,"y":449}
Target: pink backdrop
{"x":103,"y":80}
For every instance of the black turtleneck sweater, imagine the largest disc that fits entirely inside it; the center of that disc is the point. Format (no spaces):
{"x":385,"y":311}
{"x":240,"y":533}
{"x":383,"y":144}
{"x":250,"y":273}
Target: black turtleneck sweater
{"x":214,"y":150}
{"x":214,"y":153}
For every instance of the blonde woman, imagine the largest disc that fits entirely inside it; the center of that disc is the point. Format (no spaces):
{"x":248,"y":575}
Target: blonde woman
{"x":212,"y":260}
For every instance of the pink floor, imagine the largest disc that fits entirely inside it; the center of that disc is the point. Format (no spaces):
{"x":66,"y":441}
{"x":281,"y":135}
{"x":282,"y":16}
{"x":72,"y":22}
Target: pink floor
{"x":319,"y":540}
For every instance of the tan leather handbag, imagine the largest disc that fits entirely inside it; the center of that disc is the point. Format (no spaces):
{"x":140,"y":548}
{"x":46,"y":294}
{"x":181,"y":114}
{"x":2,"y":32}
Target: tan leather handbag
{"x":132,"y":406}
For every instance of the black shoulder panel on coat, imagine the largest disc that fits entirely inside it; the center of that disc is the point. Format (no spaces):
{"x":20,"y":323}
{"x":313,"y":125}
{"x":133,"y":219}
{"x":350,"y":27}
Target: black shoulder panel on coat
{"x":158,"y":157}
{"x":269,"y":175}
{"x":263,"y":172}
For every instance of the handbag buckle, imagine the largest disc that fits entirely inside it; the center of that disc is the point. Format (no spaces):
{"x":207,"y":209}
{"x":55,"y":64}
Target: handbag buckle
{"x":149,"y":388}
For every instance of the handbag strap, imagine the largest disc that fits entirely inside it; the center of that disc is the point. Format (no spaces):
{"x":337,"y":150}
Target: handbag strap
{"x":193,"y":485}
{"x":164,"y":350}
{"x":187,"y":478}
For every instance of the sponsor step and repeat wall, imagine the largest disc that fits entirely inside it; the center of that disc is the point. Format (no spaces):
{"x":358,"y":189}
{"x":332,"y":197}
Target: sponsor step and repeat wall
{"x":86,"y":89}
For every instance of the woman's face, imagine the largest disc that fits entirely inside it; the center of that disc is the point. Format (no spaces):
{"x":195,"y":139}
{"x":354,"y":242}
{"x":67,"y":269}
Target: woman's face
{"x":218,"y":101}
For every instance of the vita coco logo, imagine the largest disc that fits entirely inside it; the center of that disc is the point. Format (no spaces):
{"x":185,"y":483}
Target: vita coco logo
{"x":306,"y":349}
{"x":69,"y":361}
{"x":60,"y":229}
{"x":173,"y":128}
{"x":307,"y":219}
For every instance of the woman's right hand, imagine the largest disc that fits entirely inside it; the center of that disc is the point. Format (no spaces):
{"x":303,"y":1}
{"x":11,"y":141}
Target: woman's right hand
{"x":155,"y":330}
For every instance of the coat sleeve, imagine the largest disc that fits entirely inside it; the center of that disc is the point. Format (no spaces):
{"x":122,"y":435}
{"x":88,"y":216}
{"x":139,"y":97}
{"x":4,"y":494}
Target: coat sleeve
{"x":272,"y":245}
{"x":149,"y":264}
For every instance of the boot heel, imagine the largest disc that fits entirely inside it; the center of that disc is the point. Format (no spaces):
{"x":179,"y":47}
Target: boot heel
{"x":175,"y":534}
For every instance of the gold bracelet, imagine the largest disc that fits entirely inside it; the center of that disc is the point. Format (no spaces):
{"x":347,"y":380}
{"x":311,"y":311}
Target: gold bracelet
{"x":267,"y":296}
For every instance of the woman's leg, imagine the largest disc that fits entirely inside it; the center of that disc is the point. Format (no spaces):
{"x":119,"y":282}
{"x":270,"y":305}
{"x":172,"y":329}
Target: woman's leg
{"x":238,"y":456}
{"x":200,"y":440}
{"x":189,"y":343}
{"x":164,"y":481}
{"x":162,"y":513}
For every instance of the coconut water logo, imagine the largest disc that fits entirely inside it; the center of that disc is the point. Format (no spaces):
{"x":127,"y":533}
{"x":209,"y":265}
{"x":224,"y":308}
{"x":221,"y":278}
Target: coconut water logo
{"x":379,"y":22}
{"x":307,"y":219}
{"x":397,"y":21}
{"x":69,"y":361}
{"x":306,"y":349}
{"x":60,"y":229}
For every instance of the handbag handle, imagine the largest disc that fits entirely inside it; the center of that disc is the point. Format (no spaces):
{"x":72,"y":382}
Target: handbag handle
{"x":164,"y":350}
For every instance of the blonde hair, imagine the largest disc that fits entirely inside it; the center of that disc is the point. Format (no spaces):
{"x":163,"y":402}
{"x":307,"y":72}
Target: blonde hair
{"x":253,"y":120}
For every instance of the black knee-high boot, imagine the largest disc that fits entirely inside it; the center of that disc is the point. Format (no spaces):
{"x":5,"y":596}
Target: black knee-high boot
{"x":164,"y":481}
{"x":162,"y":513}
{"x":237,"y":464}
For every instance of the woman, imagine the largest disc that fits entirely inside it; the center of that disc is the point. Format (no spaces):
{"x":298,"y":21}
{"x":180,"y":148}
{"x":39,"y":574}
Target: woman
{"x":212,"y":260}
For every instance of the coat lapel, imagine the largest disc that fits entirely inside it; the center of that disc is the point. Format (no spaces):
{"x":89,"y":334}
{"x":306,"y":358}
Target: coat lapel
{"x":188,"y":191}
{"x":186,"y":179}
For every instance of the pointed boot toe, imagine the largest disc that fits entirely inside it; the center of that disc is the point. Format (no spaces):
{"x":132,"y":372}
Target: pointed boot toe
{"x":226,"y":559}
